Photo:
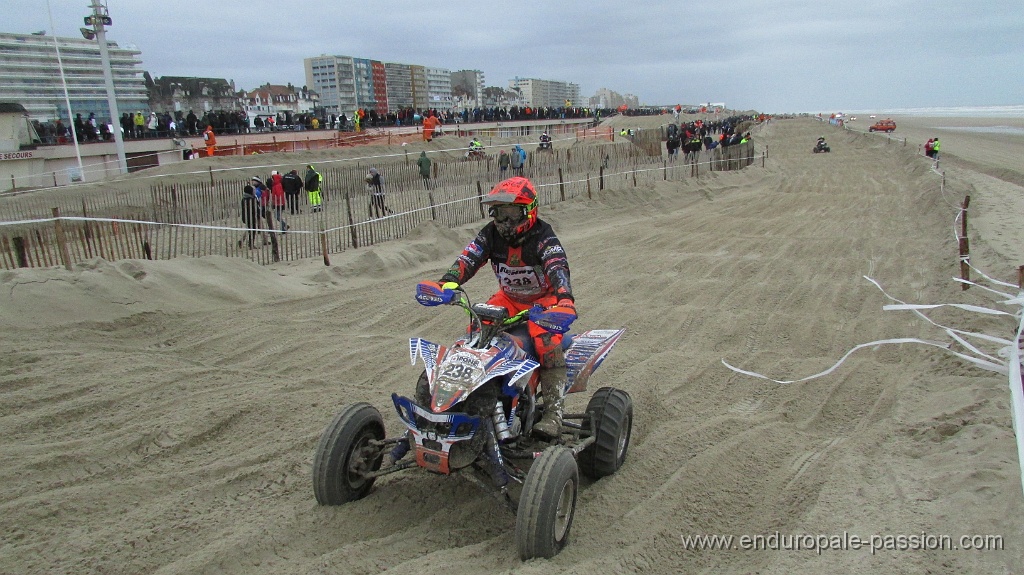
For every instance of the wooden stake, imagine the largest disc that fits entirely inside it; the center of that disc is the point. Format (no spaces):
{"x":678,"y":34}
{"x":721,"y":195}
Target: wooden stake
{"x":965,"y":269}
{"x":323,"y":246}
{"x":963,"y":216}
{"x":61,"y":243}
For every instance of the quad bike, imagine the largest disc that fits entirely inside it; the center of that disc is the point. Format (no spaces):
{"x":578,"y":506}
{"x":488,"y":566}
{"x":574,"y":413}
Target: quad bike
{"x":476,"y":154}
{"x":472,"y":414}
{"x":821,"y":147}
{"x":545,"y":146}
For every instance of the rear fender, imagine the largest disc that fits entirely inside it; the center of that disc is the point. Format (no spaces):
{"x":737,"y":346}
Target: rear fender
{"x":585,"y":353}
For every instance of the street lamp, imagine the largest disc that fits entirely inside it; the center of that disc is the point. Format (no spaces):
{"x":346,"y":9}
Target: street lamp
{"x":98,"y":20}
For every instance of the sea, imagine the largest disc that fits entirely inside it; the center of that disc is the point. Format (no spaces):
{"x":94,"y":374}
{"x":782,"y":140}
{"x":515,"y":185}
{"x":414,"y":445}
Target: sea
{"x":1015,"y":111}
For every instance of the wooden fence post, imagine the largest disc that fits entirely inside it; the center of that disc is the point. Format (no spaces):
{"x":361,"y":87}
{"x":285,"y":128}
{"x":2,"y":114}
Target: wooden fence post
{"x":600,"y":178}
{"x":589,"y":196}
{"x":62,"y":246}
{"x":963,"y":215}
{"x":20,"y":251}
{"x":351,"y":222}
{"x":323,"y":246}
{"x":561,"y":185}
{"x":275,"y":252}
{"x":965,"y":262}
{"x":480,"y":196}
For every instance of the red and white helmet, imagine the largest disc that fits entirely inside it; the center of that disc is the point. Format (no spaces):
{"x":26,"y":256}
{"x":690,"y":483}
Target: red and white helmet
{"x":520,"y":216}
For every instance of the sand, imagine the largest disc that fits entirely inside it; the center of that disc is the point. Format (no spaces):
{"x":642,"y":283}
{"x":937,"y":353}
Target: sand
{"x":160,"y":417}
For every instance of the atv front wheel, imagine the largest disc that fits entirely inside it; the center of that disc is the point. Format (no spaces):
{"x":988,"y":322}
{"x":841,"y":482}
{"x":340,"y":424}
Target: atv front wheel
{"x":612,"y":411}
{"x":547,"y":504}
{"x":344,"y":455}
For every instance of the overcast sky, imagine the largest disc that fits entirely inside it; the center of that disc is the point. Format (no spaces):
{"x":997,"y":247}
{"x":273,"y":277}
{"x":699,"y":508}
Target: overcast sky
{"x":773,"y":56}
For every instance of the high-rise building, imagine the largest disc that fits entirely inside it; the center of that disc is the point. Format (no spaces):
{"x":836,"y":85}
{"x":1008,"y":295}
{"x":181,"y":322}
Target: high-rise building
{"x":469,"y":83}
{"x":334,"y":78}
{"x":31,"y":76}
{"x":605,"y":98}
{"x":439,"y":88}
{"x":399,"y":85}
{"x":546,"y":93}
{"x":420,"y":95}
{"x":366,"y":95}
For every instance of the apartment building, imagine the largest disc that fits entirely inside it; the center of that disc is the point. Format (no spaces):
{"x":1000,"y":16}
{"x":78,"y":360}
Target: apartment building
{"x":469,"y":83}
{"x":398,"y":82}
{"x":30,"y":75}
{"x":334,"y":78}
{"x":546,"y":93}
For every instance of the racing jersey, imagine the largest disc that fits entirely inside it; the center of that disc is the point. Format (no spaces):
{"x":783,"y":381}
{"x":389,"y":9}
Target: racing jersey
{"x":535,"y":268}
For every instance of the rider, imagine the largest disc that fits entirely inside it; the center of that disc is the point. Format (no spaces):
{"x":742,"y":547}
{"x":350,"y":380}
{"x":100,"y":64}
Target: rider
{"x":531,"y":269}
{"x":545,"y":141}
{"x":821,"y":143}
{"x":475,"y":146}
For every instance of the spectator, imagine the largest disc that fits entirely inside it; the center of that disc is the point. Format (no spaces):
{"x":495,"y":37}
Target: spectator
{"x":312,"y":183}
{"x":91,"y":127}
{"x":250,"y":214}
{"x":935,"y":149}
{"x":518,"y":160}
{"x":292,"y":184}
{"x":138,"y":123}
{"x":277,"y":199}
{"x":377,"y":193}
{"x":928,"y":147}
{"x":262,"y":201}
{"x":79,"y":126}
{"x":152,"y":124}
{"x":503,"y":162}
{"x":424,"y":163}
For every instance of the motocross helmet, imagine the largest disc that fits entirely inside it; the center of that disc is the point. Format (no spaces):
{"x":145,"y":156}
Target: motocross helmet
{"x":513,"y":205}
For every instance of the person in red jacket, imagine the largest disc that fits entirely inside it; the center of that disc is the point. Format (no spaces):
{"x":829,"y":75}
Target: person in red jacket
{"x":531,"y":268}
{"x":278,"y":200}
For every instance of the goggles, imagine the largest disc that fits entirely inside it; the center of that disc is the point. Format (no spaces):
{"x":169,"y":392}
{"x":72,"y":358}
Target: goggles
{"x":507,"y":213}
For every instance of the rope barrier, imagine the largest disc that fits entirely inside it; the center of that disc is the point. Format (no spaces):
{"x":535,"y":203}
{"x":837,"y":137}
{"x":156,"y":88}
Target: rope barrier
{"x":1006,"y":359}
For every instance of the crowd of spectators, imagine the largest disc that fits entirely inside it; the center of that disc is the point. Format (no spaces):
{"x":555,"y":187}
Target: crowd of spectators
{"x":142,"y":125}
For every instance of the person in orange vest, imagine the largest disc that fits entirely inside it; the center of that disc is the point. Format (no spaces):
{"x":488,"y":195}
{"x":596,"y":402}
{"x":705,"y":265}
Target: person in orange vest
{"x":430,"y":122}
{"x":211,"y":141}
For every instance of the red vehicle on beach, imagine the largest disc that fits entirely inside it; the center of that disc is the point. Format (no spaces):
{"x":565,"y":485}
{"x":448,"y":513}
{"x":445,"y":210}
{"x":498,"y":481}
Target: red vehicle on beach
{"x":883,"y":126}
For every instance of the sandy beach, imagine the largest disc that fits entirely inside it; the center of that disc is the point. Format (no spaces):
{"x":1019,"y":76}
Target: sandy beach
{"x":161,"y":417}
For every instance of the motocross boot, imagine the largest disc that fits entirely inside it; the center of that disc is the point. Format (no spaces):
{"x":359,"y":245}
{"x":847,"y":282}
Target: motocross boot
{"x":552,"y":385}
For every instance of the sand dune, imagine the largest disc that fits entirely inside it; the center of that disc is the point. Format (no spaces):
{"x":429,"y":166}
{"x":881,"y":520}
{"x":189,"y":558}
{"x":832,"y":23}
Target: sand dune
{"x":160,"y":417}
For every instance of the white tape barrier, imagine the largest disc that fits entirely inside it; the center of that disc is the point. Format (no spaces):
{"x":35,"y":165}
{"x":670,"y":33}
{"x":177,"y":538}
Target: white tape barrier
{"x":1006,"y":359}
{"x":388,"y":217}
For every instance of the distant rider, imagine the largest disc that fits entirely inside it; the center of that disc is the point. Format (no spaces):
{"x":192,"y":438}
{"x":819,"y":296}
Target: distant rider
{"x":476,"y":148}
{"x":545,"y":141}
{"x":531,"y":268}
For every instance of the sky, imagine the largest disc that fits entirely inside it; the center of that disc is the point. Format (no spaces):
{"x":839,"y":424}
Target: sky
{"x":774,"y":56}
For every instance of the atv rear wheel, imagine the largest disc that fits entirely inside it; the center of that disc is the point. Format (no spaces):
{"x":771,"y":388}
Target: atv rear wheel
{"x":612,"y":411}
{"x":344,"y":455}
{"x":547,"y":504}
